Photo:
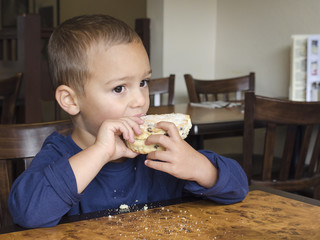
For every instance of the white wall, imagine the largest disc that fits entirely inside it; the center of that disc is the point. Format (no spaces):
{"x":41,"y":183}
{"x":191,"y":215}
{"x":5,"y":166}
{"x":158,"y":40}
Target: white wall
{"x":188,"y":40}
{"x":225,"y":38}
{"x":255,"y":35}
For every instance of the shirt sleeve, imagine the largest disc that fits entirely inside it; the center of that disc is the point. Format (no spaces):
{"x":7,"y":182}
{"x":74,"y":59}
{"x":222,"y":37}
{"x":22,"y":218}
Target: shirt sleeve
{"x":232,"y":184}
{"x":44,"y":192}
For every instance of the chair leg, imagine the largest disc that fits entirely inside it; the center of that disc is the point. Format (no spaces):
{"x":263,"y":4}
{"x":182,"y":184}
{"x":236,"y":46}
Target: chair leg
{"x":316,"y":192}
{"x":196,"y":141}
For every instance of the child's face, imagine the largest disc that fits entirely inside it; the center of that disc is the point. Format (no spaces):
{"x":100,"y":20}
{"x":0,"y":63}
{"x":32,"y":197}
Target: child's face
{"x":117,"y":86}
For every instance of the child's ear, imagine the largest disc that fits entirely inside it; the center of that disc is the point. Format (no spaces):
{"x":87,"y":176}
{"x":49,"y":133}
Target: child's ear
{"x":67,"y":99}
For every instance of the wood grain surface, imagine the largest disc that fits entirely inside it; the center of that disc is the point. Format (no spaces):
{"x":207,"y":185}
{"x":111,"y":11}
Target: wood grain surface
{"x":260,"y":216}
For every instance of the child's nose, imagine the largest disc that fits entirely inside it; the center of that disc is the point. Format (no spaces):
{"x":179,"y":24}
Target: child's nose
{"x":139,"y":98}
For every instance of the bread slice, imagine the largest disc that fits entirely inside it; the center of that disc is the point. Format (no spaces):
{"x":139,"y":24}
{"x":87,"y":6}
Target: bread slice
{"x":182,"y":121}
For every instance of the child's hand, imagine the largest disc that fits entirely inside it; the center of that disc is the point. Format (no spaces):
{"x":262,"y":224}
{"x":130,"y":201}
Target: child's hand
{"x":180,"y":159}
{"x":111,"y":133}
{"x":108,"y":146}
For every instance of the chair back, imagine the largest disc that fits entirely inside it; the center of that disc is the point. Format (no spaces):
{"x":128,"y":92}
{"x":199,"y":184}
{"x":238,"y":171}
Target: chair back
{"x":161,"y":91}
{"x":9,"y":90}
{"x":218,"y":89}
{"x":19,"y":143}
{"x":299,"y":165}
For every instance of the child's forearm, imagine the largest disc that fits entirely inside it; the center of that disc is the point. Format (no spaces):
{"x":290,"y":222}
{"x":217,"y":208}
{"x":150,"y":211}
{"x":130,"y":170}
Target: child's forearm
{"x":87,"y":164}
{"x":206,"y":174}
{"x":232,"y":182}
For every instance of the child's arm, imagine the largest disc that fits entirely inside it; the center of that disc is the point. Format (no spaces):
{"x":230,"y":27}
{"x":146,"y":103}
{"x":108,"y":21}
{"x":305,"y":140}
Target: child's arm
{"x":107,"y":147}
{"x":49,"y":188}
{"x":211,"y":171}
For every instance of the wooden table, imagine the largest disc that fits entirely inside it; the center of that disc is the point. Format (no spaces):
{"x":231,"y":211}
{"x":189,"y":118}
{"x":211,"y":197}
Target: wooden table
{"x":262,"y":215}
{"x":207,"y":121}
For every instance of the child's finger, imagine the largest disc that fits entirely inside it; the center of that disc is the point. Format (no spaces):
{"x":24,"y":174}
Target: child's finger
{"x":159,"y":155}
{"x":159,"y":139}
{"x":133,"y":123}
{"x":170,"y":128}
{"x":132,"y":127}
{"x":157,"y":165}
{"x":130,"y":154}
{"x":127,"y":131}
{"x":164,"y":139}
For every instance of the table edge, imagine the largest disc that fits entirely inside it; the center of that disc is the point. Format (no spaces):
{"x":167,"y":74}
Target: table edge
{"x":139,"y":207}
{"x":289,"y":195}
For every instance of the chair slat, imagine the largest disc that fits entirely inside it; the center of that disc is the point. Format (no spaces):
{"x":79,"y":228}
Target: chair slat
{"x":315,"y":156}
{"x":303,"y":152}
{"x":226,"y":97}
{"x":268,"y":152}
{"x":288,"y":153}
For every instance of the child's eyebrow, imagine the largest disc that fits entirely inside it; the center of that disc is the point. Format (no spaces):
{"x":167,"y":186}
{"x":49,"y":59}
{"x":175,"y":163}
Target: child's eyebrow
{"x":123,"y":78}
{"x":148,"y":73}
{"x":114,"y":80}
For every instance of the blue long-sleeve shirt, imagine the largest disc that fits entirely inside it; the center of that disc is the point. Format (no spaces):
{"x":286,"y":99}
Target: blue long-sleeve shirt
{"x":47,"y":190}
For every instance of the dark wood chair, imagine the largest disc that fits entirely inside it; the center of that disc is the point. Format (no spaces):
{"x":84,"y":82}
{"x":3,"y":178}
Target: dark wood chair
{"x":19,"y":143}
{"x":9,"y":90}
{"x":219,"y":89}
{"x":229,"y":89}
{"x":161,"y":91}
{"x":298,"y":169}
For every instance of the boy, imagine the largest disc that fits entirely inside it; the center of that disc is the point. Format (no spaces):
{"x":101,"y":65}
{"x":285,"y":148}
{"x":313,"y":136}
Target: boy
{"x":100,"y":70}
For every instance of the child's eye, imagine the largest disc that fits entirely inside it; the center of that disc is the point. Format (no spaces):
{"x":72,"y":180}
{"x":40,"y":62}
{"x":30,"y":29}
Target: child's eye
{"x":118,"y":89}
{"x":144,"y":83}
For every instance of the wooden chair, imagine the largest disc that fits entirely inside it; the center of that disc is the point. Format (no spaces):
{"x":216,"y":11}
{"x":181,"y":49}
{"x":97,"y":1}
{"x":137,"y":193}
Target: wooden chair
{"x":160,"y":87}
{"x":299,"y":167}
{"x":220,"y":89}
{"x":9,"y":90}
{"x":19,"y":143}
{"x":229,"y":89}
